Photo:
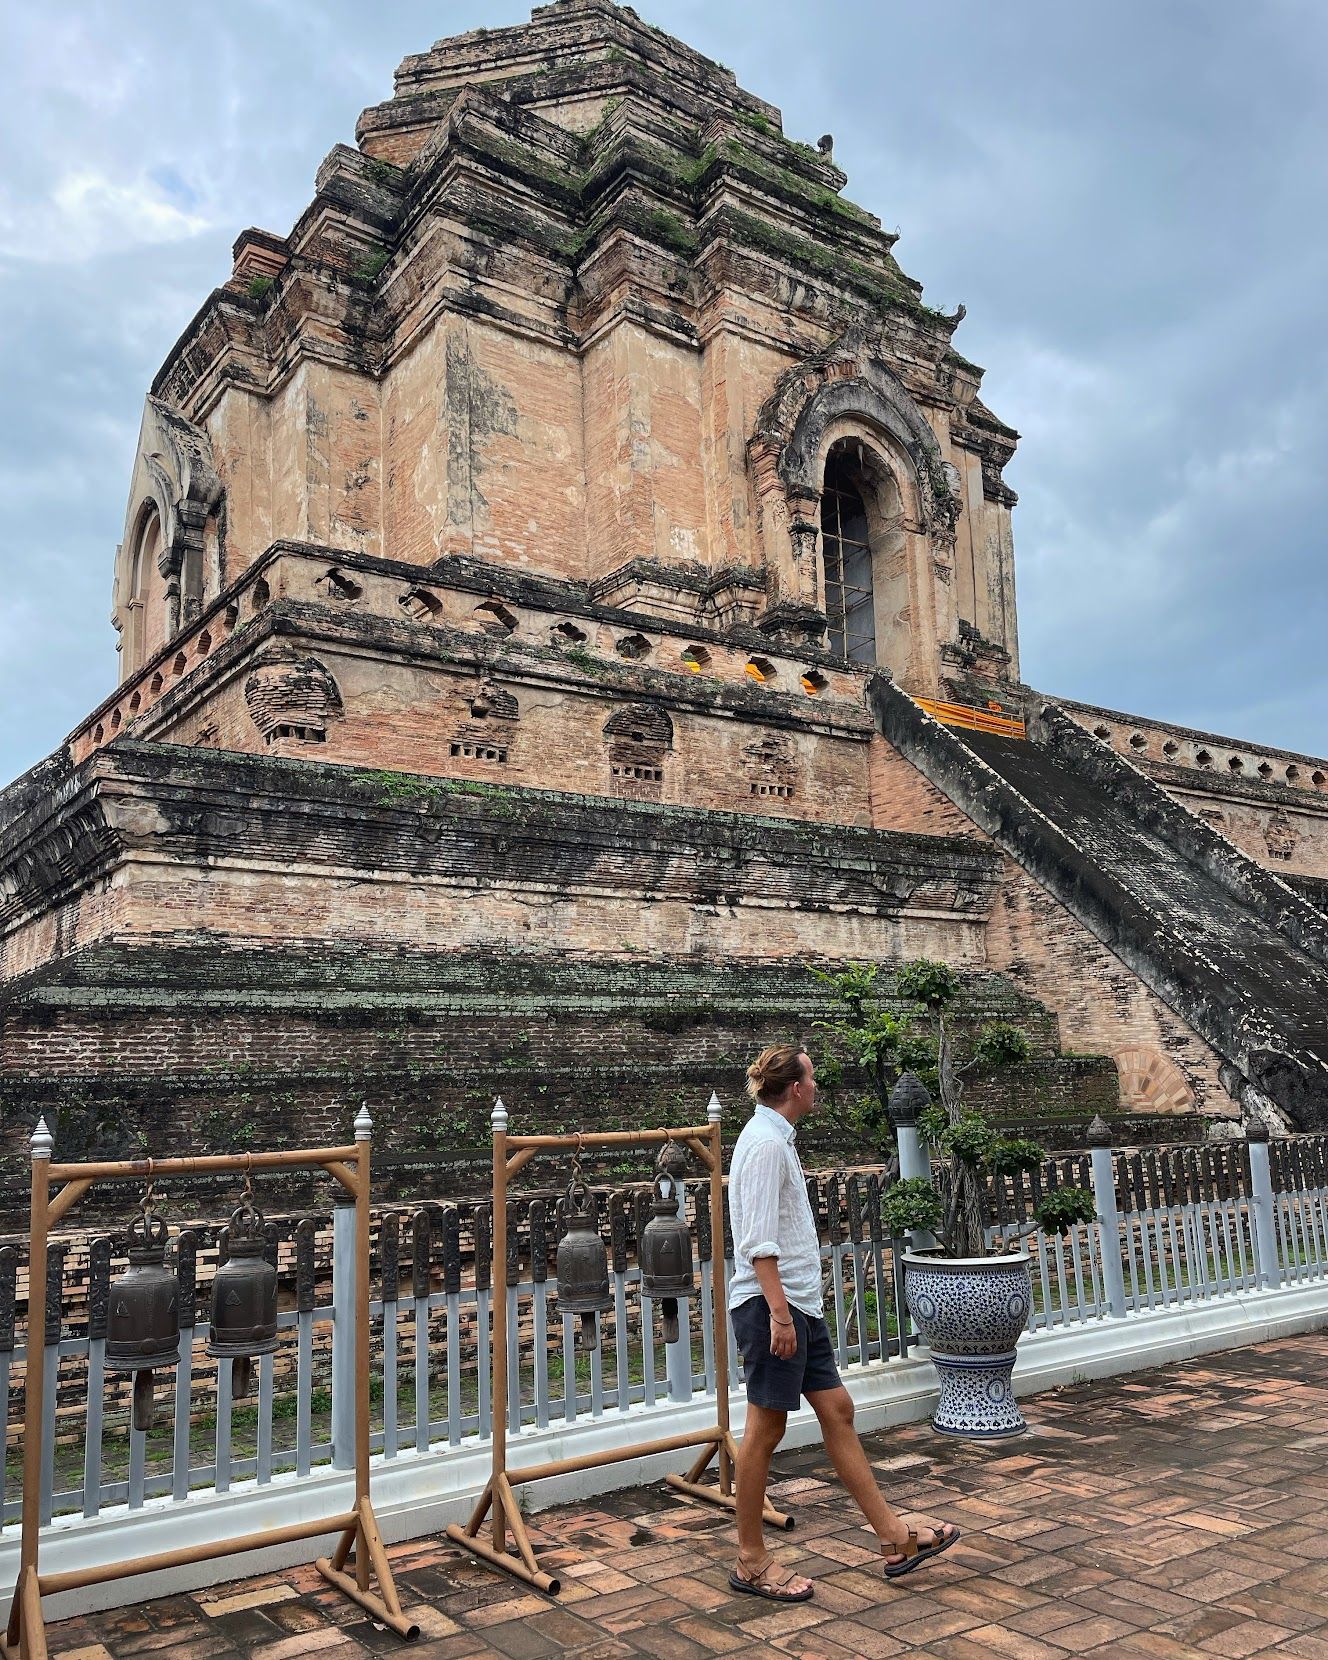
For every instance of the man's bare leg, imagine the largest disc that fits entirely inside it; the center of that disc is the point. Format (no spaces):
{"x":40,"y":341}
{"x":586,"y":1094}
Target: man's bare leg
{"x":834,"y":1409}
{"x":763,"y":1432}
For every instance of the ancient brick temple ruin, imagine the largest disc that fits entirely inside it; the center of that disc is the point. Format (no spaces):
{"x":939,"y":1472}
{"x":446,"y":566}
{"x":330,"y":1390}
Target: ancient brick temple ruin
{"x":567,"y":586}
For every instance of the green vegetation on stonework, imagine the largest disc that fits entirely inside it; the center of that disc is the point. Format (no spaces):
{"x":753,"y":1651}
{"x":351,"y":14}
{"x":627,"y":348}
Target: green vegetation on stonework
{"x":796,"y":185}
{"x":586,"y":662}
{"x":387,"y":174}
{"x":398,"y":789}
{"x":669,"y":228}
{"x":940,"y":485}
{"x":758,"y":124}
{"x":524,"y":158}
{"x":367,"y":270}
{"x":877,"y":285}
{"x":756,"y":121}
{"x":589,"y":138}
{"x":259,"y":288}
{"x":691,"y":171}
{"x":223,"y":1131}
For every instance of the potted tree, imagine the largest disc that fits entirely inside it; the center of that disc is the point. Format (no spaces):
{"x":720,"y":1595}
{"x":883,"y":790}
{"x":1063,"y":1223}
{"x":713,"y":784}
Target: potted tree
{"x":969,"y":1302}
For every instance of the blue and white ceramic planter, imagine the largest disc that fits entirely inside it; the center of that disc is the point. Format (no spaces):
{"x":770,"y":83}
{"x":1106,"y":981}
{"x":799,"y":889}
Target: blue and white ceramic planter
{"x":970,"y":1311}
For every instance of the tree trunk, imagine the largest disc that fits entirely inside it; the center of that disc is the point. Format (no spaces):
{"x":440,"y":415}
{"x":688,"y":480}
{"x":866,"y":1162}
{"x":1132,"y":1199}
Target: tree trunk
{"x":967,"y":1234}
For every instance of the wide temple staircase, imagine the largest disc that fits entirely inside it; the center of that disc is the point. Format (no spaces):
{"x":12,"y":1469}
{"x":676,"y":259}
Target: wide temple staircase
{"x":1229,"y":946}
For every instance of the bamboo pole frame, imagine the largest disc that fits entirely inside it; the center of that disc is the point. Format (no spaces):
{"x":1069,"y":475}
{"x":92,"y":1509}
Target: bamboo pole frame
{"x":497,"y":1503}
{"x":25,"y":1634}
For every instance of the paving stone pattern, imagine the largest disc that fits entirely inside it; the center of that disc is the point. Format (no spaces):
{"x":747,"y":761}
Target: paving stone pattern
{"x":1170,"y":1513}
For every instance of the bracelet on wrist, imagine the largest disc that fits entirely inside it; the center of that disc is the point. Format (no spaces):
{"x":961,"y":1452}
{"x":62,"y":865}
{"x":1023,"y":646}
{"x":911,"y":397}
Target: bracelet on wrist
{"x":776,"y":1322}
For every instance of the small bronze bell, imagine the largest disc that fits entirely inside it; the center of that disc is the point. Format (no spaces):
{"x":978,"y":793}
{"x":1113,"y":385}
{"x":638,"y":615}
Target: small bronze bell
{"x":666,"y":1258}
{"x":143,"y":1320}
{"x":583,"y":1266}
{"x":244,"y":1299}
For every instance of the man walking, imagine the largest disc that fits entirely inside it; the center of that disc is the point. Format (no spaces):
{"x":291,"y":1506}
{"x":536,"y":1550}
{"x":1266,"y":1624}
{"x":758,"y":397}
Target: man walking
{"x":776,"y":1305}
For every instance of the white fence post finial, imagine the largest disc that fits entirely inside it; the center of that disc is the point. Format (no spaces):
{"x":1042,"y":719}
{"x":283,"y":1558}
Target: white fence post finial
{"x":498,"y":1117}
{"x":714,"y":1111}
{"x":363,"y":1123}
{"x":43,"y":1142}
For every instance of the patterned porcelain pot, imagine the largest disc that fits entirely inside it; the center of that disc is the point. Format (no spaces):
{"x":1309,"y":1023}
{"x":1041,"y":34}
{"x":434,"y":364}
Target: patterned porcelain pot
{"x":970,"y":1311}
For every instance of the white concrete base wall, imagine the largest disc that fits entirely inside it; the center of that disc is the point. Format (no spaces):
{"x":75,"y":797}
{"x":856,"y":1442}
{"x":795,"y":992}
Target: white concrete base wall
{"x":418,"y":1494}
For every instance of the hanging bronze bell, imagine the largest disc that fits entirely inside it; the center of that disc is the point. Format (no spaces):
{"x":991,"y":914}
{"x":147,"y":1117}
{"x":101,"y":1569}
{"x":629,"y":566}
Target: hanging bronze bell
{"x":244,"y":1299}
{"x":666,"y":1258}
{"x":143,"y":1316}
{"x":583,"y":1266}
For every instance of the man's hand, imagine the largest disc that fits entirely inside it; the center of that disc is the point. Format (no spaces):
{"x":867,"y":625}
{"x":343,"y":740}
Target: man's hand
{"x":783,"y":1338}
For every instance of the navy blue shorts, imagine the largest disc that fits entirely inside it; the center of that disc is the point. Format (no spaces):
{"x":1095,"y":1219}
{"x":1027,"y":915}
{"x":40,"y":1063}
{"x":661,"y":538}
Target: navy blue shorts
{"x":778,"y":1384}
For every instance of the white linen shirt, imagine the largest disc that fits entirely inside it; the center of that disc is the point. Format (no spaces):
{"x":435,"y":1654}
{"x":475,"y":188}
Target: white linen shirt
{"x":770,"y":1213}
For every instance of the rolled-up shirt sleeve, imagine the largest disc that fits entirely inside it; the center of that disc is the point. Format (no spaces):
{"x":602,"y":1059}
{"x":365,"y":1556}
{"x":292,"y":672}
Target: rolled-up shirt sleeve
{"x":759,"y":1206}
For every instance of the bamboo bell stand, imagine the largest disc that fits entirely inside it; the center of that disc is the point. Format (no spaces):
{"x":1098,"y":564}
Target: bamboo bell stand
{"x":25,"y":1637}
{"x":498,"y":1501}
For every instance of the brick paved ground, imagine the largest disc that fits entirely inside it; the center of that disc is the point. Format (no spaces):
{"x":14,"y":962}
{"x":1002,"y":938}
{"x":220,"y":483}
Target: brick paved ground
{"x":1176,"y":1512}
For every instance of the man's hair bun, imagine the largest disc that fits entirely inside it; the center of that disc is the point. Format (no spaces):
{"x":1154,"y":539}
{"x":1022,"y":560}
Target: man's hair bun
{"x":773,"y":1070}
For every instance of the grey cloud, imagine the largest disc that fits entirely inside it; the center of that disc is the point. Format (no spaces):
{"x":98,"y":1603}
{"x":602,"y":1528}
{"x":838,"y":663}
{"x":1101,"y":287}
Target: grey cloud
{"x":1130,"y":199}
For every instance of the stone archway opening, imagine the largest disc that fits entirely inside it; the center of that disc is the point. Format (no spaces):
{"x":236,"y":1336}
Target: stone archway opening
{"x":864,"y":556}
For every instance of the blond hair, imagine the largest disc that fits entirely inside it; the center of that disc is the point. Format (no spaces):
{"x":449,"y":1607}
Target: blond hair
{"x":774,"y":1070}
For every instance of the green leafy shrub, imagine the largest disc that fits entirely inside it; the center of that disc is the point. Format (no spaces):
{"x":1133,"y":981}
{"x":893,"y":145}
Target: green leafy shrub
{"x":1062,"y":1207}
{"x":968,"y":1147}
{"x":933,"y":984}
{"x":910,"y":1206}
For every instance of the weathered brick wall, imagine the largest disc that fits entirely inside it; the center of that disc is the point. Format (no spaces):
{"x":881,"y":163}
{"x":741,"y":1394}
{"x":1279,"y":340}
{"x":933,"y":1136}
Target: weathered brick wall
{"x":1287,"y":834}
{"x":500,"y":352}
{"x":1103,"y":1007}
{"x":902,"y":798}
{"x":245,"y":848}
{"x":157,"y":1050}
{"x":1272,"y":803}
{"x":405,"y":717}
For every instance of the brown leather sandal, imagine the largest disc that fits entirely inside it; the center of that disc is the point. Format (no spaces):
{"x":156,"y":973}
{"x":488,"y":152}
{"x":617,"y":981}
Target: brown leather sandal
{"x":768,"y":1583}
{"x":912,"y":1555}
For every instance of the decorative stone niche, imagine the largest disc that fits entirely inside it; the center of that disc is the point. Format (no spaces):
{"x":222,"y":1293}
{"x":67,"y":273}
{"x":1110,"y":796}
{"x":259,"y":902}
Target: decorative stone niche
{"x":639,"y":739}
{"x":770,"y":770}
{"x":292,"y":697}
{"x":487,"y":737}
{"x":1281,"y":836}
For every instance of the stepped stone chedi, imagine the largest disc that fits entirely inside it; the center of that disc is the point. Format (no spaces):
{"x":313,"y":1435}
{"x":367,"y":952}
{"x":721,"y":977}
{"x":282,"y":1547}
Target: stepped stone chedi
{"x":567,"y":584}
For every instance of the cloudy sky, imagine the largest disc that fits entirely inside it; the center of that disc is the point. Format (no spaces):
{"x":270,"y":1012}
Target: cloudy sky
{"x":1130,"y":196}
